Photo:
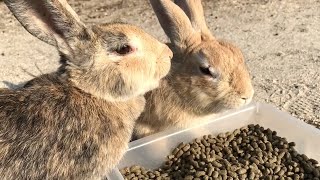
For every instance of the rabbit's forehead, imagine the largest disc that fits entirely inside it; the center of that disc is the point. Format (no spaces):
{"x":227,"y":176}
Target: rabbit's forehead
{"x":124,"y":29}
{"x":222,"y":55}
{"x":124,"y":34}
{"x":213,"y":57}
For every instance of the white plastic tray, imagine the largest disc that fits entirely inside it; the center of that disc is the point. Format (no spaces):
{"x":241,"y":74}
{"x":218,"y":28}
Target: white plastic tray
{"x":151,"y":151}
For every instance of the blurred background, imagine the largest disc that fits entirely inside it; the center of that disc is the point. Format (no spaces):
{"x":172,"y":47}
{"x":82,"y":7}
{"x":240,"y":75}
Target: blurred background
{"x":280,"y":40}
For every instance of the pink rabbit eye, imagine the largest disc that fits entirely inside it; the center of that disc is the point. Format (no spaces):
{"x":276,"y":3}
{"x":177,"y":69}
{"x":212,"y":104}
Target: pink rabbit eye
{"x":124,"y":50}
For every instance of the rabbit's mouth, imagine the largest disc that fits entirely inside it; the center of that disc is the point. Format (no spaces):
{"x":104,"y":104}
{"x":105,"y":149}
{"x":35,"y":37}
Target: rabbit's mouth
{"x":163,"y":64}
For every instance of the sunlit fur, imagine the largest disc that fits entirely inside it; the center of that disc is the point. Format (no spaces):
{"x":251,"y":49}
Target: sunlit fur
{"x":187,"y":97}
{"x":132,"y":75}
{"x":76,"y":123}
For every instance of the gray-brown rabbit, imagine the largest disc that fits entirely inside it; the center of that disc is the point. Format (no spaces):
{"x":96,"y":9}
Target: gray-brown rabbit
{"x":76,"y":123}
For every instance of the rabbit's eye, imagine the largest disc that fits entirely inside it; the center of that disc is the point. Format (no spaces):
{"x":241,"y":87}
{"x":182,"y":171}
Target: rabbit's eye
{"x":209,"y":71}
{"x":125,"y":49}
{"x":205,"y":71}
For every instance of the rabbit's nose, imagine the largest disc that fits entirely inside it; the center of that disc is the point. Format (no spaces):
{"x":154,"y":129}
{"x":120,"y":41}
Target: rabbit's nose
{"x":248,"y":98}
{"x":167,"y":52}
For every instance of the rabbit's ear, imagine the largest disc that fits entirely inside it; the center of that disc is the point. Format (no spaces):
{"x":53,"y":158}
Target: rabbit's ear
{"x":52,"y":21}
{"x":173,"y":20}
{"x":194,"y":10}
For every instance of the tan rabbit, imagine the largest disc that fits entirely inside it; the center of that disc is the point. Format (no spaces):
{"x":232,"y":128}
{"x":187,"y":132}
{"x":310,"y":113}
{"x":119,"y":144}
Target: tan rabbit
{"x":76,"y":123}
{"x":207,"y":76}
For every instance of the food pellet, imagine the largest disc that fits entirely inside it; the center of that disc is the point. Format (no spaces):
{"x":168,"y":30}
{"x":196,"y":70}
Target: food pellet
{"x":251,"y":152}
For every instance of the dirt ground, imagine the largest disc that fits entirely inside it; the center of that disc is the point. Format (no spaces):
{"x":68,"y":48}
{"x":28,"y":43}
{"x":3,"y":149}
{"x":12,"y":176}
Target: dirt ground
{"x":280,"y":40}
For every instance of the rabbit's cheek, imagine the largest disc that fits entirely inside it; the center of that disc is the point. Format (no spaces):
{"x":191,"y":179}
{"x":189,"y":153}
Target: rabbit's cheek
{"x":204,"y":98}
{"x":140,"y":78}
{"x":210,"y":80}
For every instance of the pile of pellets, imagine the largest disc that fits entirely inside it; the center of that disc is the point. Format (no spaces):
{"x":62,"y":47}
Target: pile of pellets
{"x":251,"y":152}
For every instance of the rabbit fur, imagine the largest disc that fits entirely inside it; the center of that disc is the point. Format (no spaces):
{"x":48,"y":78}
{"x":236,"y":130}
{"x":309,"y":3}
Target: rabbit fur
{"x":207,"y":76}
{"x":76,"y":123}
